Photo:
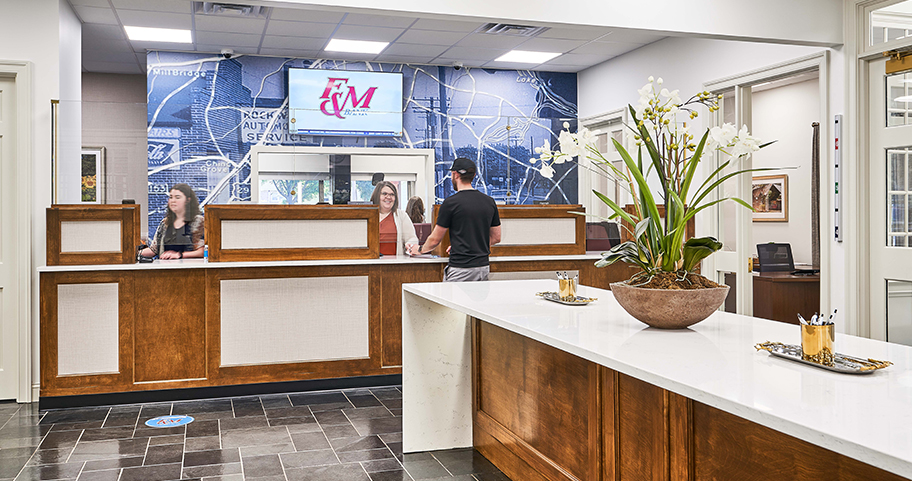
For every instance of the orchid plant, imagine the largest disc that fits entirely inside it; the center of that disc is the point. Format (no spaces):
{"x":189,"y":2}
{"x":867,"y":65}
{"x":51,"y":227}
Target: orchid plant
{"x":659,"y":243}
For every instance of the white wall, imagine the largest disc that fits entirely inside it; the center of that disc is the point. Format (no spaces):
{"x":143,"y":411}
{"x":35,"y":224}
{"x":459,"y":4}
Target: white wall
{"x":31,"y":31}
{"x":69,"y":170}
{"x":811,"y":22}
{"x":114,"y":117}
{"x":785,"y":114}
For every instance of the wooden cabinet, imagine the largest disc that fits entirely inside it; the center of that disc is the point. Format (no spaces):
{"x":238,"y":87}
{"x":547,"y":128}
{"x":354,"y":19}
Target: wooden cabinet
{"x":780,"y":296}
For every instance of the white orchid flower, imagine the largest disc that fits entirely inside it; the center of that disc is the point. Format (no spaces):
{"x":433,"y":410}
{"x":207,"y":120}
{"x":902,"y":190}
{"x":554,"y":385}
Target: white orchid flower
{"x":659,"y":81}
{"x":566,"y":125}
{"x":546,"y":171}
{"x":585,"y":137}
{"x":745,"y":144}
{"x":722,"y":137}
{"x":568,"y":144}
{"x":651,"y":79}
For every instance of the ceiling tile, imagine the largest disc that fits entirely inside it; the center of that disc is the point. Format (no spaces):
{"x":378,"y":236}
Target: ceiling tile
{"x":483,"y":40}
{"x":465,"y":62}
{"x":550,"y":45}
{"x":632,"y":36}
{"x":404,"y":59}
{"x":447,"y":25}
{"x":356,"y":57}
{"x":137,"y":18}
{"x":579,"y":59}
{"x":96,"y":15}
{"x":412,"y":50}
{"x":227,"y":39}
{"x":106,"y":45}
{"x":217,"y":49}
{"x":176,"y":6}
{"x":473,"y":53}
{"x":431,"y":37}
{"x":377,"y":20}
{"x":377,"y":34}
{"x":213,"y":23}
{"x":557,"y":68}
{"x":281,"y":52}
{"x":102,"y":32}
{"x":300,"y":29}
{"x":294,"y":43}
{"x":163,"y":46}
{"x":574,"y":33}
{"x":90,"y":3}
{"x":510,"y":65}
{"x":605,"y":48}
{"x":112,"y":67}
{"x":303,"y":15}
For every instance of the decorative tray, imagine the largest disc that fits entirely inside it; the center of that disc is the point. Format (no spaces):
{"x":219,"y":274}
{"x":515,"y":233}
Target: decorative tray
{"x":841,"y":362}
{"x":577,"y":301}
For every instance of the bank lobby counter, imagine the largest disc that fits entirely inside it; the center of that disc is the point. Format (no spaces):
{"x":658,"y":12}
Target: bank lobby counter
{"x":264,"y":308}
{"x":553,"y":392}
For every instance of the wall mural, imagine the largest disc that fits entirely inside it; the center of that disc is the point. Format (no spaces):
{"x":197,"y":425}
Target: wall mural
{"x":206,"y":112}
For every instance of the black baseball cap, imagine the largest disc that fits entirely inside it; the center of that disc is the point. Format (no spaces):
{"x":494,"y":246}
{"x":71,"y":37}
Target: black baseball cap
{"x":463,"y":165}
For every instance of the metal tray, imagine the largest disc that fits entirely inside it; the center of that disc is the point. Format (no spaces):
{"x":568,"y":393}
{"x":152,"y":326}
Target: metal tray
{"x":577,"y":301}
{"x":841,"y":362}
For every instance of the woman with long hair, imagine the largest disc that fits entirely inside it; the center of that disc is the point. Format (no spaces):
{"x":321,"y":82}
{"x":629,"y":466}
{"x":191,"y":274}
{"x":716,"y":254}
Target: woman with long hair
{"x":180,"y":234}
{"x":415,"y":210}
{"x":397,"y":233}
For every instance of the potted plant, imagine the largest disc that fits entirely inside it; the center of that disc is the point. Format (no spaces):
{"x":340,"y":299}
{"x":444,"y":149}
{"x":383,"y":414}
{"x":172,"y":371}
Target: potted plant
{"x":667,"y":292}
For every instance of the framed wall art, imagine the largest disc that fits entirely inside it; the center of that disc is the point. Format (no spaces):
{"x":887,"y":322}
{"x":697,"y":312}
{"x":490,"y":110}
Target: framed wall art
{"x":92,"y":174}
{"x":769,"y":198}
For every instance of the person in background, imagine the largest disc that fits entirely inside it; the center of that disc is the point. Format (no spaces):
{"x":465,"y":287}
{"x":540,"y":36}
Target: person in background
{"x":180,"y":233}
{"x":415,"y":210}
{"x":474,"y":225}
{"x":397,"y":233}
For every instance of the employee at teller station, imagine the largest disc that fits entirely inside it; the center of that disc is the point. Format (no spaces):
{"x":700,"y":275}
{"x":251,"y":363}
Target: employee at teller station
{"x":397,"y":233}
{"x":180,"y":233}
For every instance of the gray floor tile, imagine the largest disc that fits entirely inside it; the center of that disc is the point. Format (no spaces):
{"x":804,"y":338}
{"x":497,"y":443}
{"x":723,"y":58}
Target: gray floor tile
{"x":335,"y":416}
{"x":275,"y":401}
{"x":325,"y":397}
{"x":425,"y":469}
{"x":50,"y":456}
{"x":10,"y":467}
{"x":382,"y":465}
{"x":289,"y":412}
{"x":113,"y":464}
{"x":216,"y":456}
{"x":212,"y":470}
{"x":367,"y":455}
{"x":203,"y":428}
{"x":172,"y":439}
{"x":343,"y":472}
{"x":263,"y":450}
{"x":305,"y":459}
{"x":367,"y":413}
{"x":310,"y":441}
{"x":340,"y":431}
{"x":75,"y":415}
{"x":202,"y":444}
{"x":164,"y":454}
{"x":255,"y":437}
{"x":101,"y":434}
{"x":53,"y":471}
{"x":243,"y":423}
{"x":390,"y":476}
{"x":119,"y":448}
{"x":161,"y":472}
{"x":359,"y":443}
{"x":109,"y":475}
{"x":260,"y":466}
{"x":202,"y":406}
{"x":378,"y":425}
{"x":364,"y":401}
{"x":62,"y":439}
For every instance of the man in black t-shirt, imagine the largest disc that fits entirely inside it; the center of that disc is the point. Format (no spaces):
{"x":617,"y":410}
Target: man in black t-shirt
{"x":474,"y":225}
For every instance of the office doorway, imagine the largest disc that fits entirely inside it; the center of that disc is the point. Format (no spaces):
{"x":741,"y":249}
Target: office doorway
{"x":745,"y":97}
{"x":10,"y":321}
{"x":890,"y":203}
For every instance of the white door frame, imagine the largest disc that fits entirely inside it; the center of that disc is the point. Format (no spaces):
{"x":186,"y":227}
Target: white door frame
{"x":857,"y":201}
{"x":22,"y":73}
{"x":820,"y":62}
{"x":584,"y":167}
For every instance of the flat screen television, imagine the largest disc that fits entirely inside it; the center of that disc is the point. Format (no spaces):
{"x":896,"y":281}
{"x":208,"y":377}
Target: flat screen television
{"x":343,"y":102}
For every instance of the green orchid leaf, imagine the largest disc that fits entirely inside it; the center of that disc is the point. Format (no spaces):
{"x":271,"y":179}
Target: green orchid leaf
{"x":692,"y":167}
{"x":697,"y":249}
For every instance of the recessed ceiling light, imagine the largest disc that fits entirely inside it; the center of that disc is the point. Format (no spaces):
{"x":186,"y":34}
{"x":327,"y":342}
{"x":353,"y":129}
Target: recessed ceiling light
{"x":526,"y":56}
{"x":355,"y":46}
{"x":149,"y":34}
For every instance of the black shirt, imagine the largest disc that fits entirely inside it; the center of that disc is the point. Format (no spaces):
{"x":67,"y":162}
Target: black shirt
{"x":469,"y":215}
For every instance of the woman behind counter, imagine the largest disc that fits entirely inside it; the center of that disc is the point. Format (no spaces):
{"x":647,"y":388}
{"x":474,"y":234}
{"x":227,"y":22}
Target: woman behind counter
{"x":180,"y":233}
{"x":396,"y":229}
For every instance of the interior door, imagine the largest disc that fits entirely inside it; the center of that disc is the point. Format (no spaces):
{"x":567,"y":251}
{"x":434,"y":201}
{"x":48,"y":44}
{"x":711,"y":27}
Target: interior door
{"x":890,"y":202}
{"x":9,"y":269}
{"x":733,"y":222}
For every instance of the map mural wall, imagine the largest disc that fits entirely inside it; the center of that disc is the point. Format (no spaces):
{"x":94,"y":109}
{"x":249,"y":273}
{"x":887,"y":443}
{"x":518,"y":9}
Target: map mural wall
{"x":206,"y":112}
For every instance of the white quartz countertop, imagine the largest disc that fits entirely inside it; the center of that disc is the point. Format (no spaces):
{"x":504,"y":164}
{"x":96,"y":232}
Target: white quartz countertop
{"x":204,"y":264}
{"x":867,"y":417}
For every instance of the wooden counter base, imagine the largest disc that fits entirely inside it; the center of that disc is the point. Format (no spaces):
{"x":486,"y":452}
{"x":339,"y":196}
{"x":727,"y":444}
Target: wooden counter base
{"x":542,"y":414}
{"x":170,"y":331}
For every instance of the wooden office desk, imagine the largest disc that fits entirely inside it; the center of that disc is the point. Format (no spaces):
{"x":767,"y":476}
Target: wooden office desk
{"x":780,"y":296}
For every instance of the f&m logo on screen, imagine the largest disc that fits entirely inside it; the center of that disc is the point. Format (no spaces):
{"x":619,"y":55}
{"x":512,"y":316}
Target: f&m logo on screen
{"x":334,"y":92}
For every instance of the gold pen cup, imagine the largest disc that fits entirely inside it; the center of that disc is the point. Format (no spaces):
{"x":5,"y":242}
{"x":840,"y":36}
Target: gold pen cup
{"x":817,"y":343}
{"x":567,"y":290}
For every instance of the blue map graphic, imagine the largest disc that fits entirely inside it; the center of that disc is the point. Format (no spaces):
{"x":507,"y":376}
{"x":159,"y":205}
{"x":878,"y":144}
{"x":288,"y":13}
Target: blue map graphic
{"x":206,"y":112}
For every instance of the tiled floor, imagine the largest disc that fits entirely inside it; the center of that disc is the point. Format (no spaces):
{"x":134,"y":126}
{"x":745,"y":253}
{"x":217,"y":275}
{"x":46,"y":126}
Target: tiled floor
{"x":352,"y":435}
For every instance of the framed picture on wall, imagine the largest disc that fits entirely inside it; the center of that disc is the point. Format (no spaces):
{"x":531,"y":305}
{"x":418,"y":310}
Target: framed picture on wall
{"x":92,"y":175}
{"x":769,"y":198}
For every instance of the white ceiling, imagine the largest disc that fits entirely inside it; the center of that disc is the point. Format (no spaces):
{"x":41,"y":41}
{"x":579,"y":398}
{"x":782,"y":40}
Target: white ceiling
{"x":298,"y":32}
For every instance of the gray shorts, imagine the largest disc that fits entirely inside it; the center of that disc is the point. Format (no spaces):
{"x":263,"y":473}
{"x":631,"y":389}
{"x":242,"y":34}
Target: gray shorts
{"x":466,"y":274}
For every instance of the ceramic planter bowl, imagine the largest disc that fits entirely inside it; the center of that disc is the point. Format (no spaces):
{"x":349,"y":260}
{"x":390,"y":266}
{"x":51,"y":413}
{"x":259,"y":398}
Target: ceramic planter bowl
{"x":669,"y":308}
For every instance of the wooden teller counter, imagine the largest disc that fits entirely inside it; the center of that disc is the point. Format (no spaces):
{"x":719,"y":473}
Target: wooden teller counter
{"x":288,"y":293}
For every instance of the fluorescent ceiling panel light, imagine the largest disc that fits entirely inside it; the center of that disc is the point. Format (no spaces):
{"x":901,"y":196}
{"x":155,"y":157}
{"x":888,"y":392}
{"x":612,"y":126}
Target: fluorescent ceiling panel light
{"x":355,"y":46}
{"x":526,"y":56}
{"x":149,"y":34}
{"x":904,"y":98}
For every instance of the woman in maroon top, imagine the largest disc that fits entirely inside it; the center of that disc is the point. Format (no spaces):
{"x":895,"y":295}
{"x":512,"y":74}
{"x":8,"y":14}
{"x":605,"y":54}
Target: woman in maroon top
{"x":397,"y":232}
